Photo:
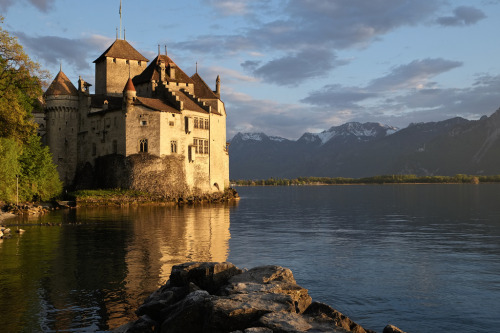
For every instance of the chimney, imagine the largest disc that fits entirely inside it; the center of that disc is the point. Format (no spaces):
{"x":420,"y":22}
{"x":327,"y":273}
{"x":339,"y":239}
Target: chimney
{"x":217,"y":86}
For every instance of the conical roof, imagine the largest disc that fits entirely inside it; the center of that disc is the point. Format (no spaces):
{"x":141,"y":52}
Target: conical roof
{"x":129,"y":86}
{"x":61,"y":86}
{"x":123,"y":50}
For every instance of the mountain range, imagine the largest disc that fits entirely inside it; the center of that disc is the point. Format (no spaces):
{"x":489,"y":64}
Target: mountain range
{"x":446,"y":148}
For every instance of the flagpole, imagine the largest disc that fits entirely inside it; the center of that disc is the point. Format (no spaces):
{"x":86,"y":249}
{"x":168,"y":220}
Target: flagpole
{"x":120,"y":19}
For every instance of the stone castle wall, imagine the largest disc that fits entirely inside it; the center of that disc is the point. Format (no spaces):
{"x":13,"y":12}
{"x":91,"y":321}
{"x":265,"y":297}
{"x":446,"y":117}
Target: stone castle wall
{"x":142,"y":172}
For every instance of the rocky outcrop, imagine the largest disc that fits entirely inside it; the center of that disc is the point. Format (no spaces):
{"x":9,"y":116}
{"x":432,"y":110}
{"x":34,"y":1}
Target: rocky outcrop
{"x":220,"y":297}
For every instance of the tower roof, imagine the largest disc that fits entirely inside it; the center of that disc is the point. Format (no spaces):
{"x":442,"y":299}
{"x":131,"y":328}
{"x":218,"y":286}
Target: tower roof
{"x":61,"y":86}
{"x":201,"y":89}
{"x":151,"y":72}
{"x":123,"y":50}
{"x":129,"y":86}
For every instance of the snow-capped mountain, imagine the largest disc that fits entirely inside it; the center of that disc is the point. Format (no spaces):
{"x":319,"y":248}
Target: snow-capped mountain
{"x":354,"y":149}
{"x":359,"y":131}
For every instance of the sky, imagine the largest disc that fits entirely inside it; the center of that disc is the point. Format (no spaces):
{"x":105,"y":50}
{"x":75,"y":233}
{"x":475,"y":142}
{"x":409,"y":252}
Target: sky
{"x":291,"y":66}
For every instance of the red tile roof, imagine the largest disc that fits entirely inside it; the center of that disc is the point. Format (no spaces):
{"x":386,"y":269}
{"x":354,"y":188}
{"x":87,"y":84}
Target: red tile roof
{"x":156,"y":104}
{"x":123,"y":50}
{"x":61,"y":86}
{"x":151,"y":72}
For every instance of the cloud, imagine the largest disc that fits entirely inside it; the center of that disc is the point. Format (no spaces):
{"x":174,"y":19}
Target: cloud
{"x":462,"y":16}
{"x":292,"y":70}
{"x":53,"y":49}
{"x":413,"y":75}
{"x":306,"y":36}
{"x":42,"y":5}
{"x":273,"y":118}
{"x":339,"y":97}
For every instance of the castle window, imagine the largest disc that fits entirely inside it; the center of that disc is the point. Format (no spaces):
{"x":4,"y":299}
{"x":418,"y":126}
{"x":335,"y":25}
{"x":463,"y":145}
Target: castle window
{"x":144,"y":122}
{"x":171,"y":123}
{"x":94,"y":149}
{"x":200,"y":146}
{"x":201,"y":123}
{"x":207,"y":126}
{"x":173,"y":146}
{"x":115,"y":147}
{"x":143,"y":146}
{"x":205,"y":144}
{"x":195,"y":145}
{"x":114,"y":60}
{"x":195,"y":122}
{"x":139,"y":63}
{"x":128,"y":62}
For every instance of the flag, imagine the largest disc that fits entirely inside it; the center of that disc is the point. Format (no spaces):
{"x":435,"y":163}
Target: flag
{"x":120,"y":8}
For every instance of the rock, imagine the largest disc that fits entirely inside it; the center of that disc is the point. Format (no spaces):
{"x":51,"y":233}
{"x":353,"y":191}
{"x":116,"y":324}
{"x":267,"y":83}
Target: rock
{"x":206,"y":275}
{"x":270,"y":279}
{"x":240,"y":311}
{"x":219,"y":297}
{"x":392,"y":329}
{"x":284,"y":322}
{"x":188,"y":315}
{"x":325,"y":314}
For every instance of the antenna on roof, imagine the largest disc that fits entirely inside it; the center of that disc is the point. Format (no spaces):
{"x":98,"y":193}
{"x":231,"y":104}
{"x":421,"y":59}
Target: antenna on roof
{"x":197,"y":67}
{"x":120,"y":19}
{"x":60,"y":66}
{"x":124,"y":38}
{"x":166,"y":49}
{"x":159,"y":49}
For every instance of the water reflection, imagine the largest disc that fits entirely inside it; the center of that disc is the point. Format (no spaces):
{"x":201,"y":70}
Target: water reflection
{"x":92,"y":269}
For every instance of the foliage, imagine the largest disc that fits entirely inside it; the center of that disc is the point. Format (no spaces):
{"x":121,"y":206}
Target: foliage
{"x":9,"y":168}
{"x":39,"y":178}
{"x":20,"y":89}
{"x":384,"y":179}
{"x":21,"y":153}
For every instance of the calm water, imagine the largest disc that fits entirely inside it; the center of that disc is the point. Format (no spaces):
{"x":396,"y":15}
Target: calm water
{"x":422,"y":257}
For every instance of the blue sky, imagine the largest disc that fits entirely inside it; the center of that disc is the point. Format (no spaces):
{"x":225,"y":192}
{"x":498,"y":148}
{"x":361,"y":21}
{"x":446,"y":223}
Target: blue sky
{"x":292,"y":66}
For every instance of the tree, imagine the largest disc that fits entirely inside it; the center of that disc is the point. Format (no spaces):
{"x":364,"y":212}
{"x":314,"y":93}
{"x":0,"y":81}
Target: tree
{"x":21,"y":153}
{"x":20,"y":89}
{"x":9,"y":168}
{"x":39,"y":178}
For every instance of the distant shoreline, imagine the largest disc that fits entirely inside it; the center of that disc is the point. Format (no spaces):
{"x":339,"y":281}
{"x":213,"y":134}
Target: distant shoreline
{"x":376,"y":180}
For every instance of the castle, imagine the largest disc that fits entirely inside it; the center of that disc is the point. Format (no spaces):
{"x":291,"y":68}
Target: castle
{"x":148,"y":127}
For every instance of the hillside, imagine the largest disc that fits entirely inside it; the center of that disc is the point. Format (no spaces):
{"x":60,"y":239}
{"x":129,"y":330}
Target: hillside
{"x":357,"y":150}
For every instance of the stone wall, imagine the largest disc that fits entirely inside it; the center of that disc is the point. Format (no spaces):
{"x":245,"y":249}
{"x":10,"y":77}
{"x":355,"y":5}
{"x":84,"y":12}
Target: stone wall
{"x":163,"y":176}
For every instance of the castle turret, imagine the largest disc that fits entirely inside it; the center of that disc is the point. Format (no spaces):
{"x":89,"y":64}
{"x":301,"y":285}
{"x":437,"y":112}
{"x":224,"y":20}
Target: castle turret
{"x":129,"y":92}
{"x":61,"y":114}
{"x":113,"y":68}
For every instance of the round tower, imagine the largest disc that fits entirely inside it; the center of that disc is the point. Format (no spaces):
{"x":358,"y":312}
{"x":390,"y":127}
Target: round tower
{"x":61,"y":114}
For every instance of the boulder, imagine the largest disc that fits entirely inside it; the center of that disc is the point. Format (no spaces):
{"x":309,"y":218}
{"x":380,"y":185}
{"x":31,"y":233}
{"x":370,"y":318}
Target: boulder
{"x":209,"y":276}
{"x":392,"y":329}
{"x":216,"y":297}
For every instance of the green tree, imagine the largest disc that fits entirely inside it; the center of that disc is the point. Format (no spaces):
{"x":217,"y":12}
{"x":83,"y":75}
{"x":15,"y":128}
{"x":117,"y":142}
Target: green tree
{"x":39,"y":178}
{"x":10,"y":151}
{"x":21,"y":152}
{"x":20,"y":89}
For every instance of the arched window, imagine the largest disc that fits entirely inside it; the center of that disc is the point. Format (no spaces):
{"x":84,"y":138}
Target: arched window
{"x":143,"y":145}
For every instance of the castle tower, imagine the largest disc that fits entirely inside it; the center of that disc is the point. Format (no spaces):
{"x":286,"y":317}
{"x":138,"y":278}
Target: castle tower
{"x":61,"y":114}
{"x":115,"y":66}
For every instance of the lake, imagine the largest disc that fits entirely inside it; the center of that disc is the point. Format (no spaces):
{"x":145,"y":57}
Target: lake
{"x":422,"y":257}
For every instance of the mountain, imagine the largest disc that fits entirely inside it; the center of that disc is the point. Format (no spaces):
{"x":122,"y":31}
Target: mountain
{"x":354,"y":149}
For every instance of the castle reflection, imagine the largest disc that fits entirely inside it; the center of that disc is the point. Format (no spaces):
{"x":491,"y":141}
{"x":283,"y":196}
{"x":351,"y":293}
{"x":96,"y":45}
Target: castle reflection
{"x":158,"y":238}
